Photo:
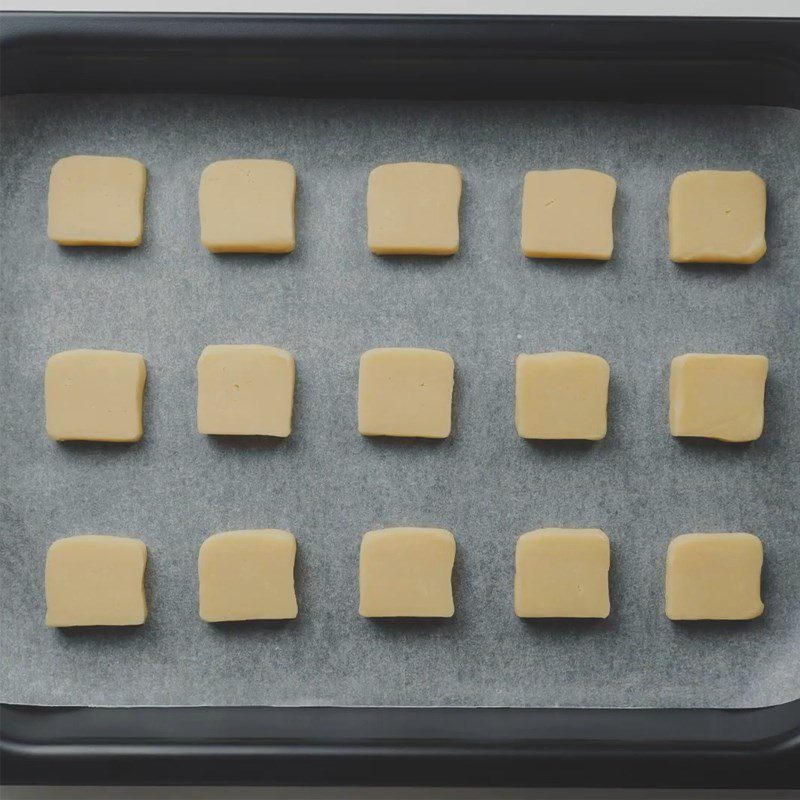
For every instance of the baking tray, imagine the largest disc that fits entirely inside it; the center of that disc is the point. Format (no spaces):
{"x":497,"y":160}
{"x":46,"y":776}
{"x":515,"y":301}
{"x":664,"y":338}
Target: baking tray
{"x":743,"y":61}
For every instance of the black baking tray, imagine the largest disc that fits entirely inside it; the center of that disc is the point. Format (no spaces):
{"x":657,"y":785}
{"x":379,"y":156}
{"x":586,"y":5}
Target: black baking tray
{"x":731,"y":61}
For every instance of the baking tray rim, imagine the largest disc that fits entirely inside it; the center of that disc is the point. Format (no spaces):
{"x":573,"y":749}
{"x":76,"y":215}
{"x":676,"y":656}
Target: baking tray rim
{"x":405,"y":48}
{"x":319,"y":746}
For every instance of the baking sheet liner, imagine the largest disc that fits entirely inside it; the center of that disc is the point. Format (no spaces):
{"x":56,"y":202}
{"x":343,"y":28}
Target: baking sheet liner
{"x":326,"y":303}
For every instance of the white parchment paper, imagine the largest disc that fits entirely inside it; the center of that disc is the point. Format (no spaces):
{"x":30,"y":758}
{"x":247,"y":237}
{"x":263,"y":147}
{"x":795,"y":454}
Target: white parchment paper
{"x":326,"y":303}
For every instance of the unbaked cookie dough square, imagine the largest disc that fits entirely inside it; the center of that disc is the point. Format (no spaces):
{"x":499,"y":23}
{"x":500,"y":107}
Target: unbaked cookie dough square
{"x":245,"y":390}
{"x":247,"y":575}
{"x":567,"y":213}
{"x":95,"y":580}
{"x":714,"y":576}
{"x":94,"y":395}
{"x":562,"y":395}
{"x":407,"y":572}
{"x":412,"y":209}
{"x":96,"y":200}
{"x":717,"y":396}
{"x":247,"y":206}
{"x":717,"y":217}
{"x":562,"y":572}
{"x":405,"y":391}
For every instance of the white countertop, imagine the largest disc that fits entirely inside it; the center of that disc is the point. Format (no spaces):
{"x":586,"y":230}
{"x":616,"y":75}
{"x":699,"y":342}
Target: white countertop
{"x":716,"y":8}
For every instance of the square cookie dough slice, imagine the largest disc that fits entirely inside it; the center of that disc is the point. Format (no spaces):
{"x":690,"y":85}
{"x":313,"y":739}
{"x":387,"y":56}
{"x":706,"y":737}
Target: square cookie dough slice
{"x":96,"y":200}
{"x":567,"y":213}
{"x":412,"y":209}
{"x":714,"y":576}
{"x":95,"y":580}
{"x":247,"y":575}
{"x":717,"y":396}
{"x":405,"y":391}
{"x":247,"y":206}
{"x":245,"y":390}
{"x":717,"y":217}
{"x":562,"y":572}
{"x":562,"y":395}
{"x":94,"y":395}
{"x":406,"y":572}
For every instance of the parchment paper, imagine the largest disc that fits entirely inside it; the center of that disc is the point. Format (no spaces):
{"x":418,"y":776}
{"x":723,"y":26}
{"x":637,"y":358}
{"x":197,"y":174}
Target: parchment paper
{"x":326,"y":303}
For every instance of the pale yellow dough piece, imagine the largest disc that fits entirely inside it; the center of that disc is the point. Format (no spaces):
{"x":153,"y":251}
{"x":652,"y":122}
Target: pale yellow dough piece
{"x":94,"y":395}
{"x":247,"y":575}
{"x":562,"y":572}
{"x":405,"y":391}
{"x":245,"y":390}
{"x":412,"y":208}
{"x":562,"y":396}
{"x":714,"y":576}
{"x":717,"y":217}
{"x":96,"y":200}
{"x":567,"y":213}
{"x":407,"y":572}
{"x":247,"y":206}
{"x":717,"y":396}
{"x":95,"y":580}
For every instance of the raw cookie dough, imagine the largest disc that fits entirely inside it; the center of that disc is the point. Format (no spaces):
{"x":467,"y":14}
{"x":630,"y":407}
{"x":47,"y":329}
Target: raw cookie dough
{"x":94,"y":395}
{"x":412,"y":208}
{"x":567,"y":213}
{"x":96,"y":200}
{"x":406,"y":572}
{"x":717,"y":217}
{"x":247,"y":206}
{"x":405,"y":391}
{"x":247,"y":575}
{"x":95,"y":580}
{"x":717,"y":396}
{"x":714,"y":576}
{"x":562,"y":572}
{"x":561,"y":396}
{"x":245,"y":390}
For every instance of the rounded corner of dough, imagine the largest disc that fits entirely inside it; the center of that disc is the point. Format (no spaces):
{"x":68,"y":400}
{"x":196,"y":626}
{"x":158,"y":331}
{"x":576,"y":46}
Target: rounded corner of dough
{"x":207,"y":351}
{"x":446,"y":536}
{"x":62,"y":163}
{"x":599,"y":361}
{"x":454,"y":171}
{"x":612,"y":182}
{"x":445,"y":357}
{"x":599,"y":534}
{"x":284,"y":354}
{"x":757,"y":253}
{"x":211,"y":245}
{"x":682,"y":177}
{"x":210,"y":168}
